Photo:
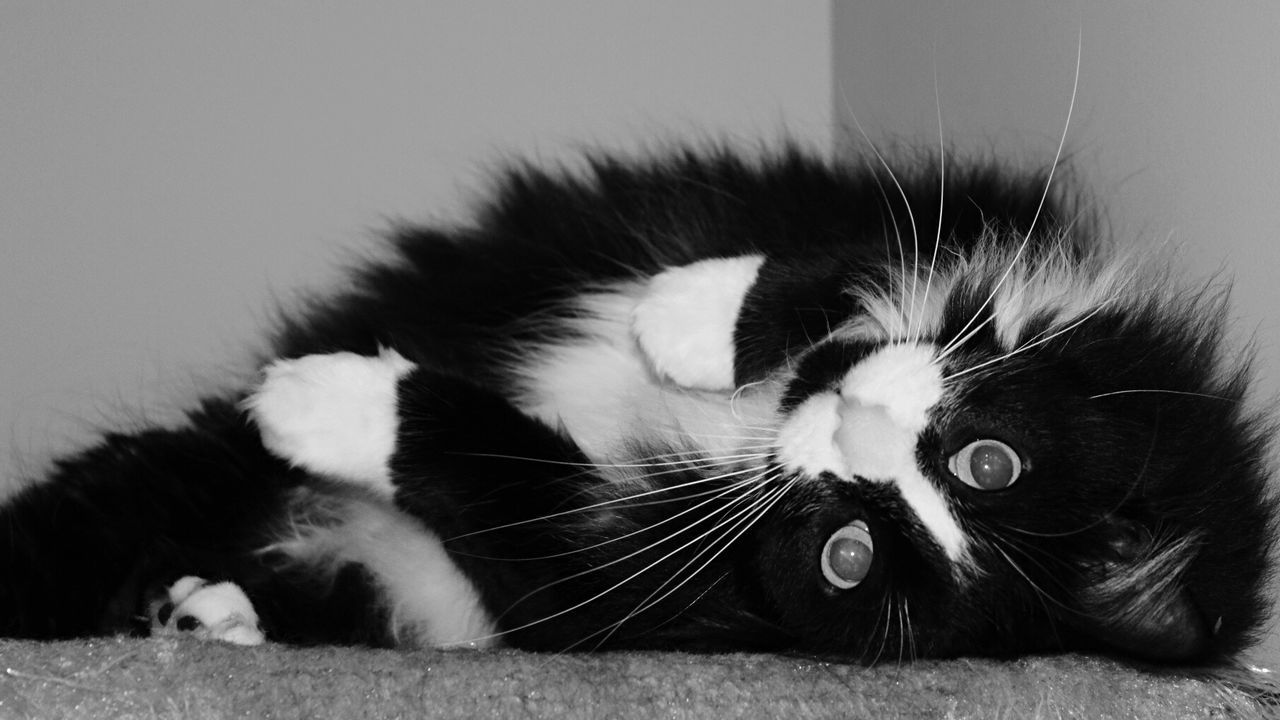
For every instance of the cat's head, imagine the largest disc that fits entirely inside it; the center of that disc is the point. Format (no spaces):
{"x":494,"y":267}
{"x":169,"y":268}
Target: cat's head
{"x":1013,"y":453}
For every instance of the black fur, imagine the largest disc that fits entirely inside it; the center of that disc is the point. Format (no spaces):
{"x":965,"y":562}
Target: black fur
{"x":81,"y":550}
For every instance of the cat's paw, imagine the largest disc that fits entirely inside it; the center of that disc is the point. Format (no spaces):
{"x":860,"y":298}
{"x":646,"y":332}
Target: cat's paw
{"x":220,"y":611}
{"x":684,"y":323}
{"x":333,"y":414}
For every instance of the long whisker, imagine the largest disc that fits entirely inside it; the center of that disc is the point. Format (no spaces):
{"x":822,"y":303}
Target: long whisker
{"x":715,"y":494}
{"x":942,"y":198}
{"x":604,"y":503}
{"x":1102,"y":517}
{"x":602,"y":593}
{"x":915,"y":235}
{"x":1205,"y":396}
{"x":902,"y":633}
{"x":1044,"y":196}
{"x":654,"y":461}
{"x":887,"y":611}
{"x":897,"y":233}
{"x":911,"y":635}
{"x":1031,"y":343}
{"x":963,"y":337}
{"x":759,"y":507}
{"x":1044,"y":597}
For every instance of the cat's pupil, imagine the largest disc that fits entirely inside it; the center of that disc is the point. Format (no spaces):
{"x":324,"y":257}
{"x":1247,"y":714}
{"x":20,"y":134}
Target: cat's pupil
{"x":846,"y":558}
{"x":991,"y":466}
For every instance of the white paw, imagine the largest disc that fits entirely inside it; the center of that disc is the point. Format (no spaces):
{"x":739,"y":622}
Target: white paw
{"x":333,"y":414}
{"x":209,"y":612}
{"x":684,"y":323}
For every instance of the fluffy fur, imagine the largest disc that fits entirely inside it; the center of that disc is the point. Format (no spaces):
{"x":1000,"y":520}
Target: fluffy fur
{"x":635,"y":406}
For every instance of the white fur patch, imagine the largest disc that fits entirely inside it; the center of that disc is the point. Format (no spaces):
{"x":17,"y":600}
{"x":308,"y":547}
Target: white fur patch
{"x":880,"y":450}
{"x":432,"y":603}
{"x":217,"y":612}
{"x":333,"y":414}
{"x":600,"y":391}
{"x":685,"y":321}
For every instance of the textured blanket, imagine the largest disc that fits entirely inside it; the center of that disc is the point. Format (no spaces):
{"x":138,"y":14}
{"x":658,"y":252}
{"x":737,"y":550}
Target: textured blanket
{"x":181,"y":678}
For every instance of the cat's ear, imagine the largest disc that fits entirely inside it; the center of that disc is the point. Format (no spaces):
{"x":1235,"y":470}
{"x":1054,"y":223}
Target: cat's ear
{"x":685,"y":321}
{"x":1135,"y":599}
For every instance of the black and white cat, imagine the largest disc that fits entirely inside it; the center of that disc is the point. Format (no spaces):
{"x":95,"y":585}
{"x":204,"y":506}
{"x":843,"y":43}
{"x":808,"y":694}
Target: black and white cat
{"x":701,"y":401}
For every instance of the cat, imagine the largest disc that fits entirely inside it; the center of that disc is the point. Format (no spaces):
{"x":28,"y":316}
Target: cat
{"x":703,"y":399}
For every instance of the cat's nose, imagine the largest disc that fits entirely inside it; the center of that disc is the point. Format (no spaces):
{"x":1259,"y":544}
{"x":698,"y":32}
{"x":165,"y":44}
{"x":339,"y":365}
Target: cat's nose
{"x":873,"y":445}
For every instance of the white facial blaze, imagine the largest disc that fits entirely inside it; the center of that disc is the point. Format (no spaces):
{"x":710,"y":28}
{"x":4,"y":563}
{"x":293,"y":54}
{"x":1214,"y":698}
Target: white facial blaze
{"x":870,"y":429}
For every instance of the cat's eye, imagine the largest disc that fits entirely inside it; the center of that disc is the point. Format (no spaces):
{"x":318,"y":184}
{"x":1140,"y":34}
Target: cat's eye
{"x":846,"y":558}
{"x":986,"y":465}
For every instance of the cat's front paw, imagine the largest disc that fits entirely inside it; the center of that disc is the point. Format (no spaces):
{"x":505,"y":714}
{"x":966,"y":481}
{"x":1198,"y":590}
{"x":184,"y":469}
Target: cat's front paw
{"x":684,"y":323}
{"x":218,"y":611}
{"x":333,"y":414}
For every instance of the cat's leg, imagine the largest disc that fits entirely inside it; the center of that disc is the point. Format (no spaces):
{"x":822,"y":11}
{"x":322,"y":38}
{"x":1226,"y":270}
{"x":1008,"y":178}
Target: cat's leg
{"x":333,"y":414}
{"x":494,"y":502}
{"x":80,"y":549}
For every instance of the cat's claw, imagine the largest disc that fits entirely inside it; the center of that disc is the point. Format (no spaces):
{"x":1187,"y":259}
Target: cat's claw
{"x":333,"y":414}
{"x":218,"y":611}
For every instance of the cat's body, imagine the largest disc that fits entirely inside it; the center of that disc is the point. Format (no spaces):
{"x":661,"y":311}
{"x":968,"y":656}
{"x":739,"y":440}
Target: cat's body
{"x":705,"y":402}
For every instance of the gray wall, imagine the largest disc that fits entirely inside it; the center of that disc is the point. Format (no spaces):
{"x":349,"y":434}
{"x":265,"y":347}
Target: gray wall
{"x":170,"y":169}
{"x":1175,"y":123}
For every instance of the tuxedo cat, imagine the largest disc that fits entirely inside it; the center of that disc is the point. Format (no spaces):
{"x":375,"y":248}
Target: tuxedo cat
{"x":700,"y":400}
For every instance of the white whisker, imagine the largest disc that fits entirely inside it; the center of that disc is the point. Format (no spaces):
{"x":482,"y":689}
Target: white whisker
{"x":887,"y":610}
{"x":1206,"y":396}
{"x":1044,"y":196}
{"x":604,"y":503}
{"x":611,"y":588}
{"x":1027,"y":345}
{"x":1043,"y":596}
{"x":964,"y":337}
{"x":759,"y":507}
{"x":897,"y":233}
{"x":715,"y":494}
{"x":701,"y":460}
{"x":911,"y":218}
{"x":942,"y":200}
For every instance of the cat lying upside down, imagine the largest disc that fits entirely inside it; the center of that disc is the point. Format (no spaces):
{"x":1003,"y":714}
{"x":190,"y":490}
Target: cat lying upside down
{"x":700,"y":401}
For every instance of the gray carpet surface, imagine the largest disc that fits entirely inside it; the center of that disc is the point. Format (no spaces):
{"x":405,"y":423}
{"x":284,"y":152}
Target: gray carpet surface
{"x":185,"y":678}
